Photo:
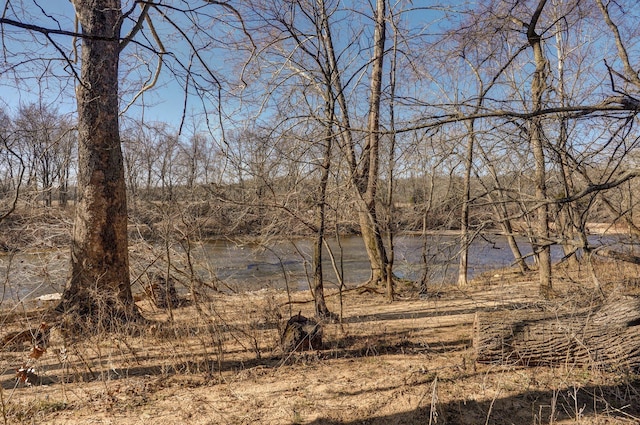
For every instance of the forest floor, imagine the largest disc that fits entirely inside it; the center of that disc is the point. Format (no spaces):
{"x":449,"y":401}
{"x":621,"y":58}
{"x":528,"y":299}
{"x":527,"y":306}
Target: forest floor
{"x":408,"y":362}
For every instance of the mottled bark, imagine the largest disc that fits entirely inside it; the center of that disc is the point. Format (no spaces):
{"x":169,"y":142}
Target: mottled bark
{"x":99,"y":286}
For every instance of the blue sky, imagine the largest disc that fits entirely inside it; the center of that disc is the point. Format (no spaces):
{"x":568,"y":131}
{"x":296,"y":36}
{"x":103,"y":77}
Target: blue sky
{"x":26,"y":86}
{"x":165,"y":103}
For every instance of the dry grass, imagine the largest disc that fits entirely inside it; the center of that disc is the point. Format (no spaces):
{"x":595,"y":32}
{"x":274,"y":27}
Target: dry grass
{"x":408,"y":362}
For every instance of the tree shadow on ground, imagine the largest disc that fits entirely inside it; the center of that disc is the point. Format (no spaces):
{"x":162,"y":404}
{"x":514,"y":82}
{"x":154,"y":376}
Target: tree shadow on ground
{"x":540,"y":407}
{"x":347,"y":347}
{"x":429,"y":312}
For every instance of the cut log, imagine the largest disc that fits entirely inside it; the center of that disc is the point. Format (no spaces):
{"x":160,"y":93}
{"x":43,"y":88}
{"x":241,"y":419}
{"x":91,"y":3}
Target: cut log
{"x":301,"y":334}
{"x":606,"y":337}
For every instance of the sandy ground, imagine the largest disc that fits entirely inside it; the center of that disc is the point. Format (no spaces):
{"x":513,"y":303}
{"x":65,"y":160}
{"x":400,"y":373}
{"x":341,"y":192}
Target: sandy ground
{"x":406,"y":362}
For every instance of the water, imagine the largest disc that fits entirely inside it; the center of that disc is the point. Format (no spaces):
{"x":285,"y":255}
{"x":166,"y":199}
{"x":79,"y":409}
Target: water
{"x":252,"y":266}
{"x":29,"y":275}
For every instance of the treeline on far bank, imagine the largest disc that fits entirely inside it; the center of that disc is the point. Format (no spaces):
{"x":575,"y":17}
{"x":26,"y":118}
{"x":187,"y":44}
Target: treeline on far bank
{"x":284,"y":208}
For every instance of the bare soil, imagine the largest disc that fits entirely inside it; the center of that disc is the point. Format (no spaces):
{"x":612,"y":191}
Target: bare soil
{"x":218,"y":361}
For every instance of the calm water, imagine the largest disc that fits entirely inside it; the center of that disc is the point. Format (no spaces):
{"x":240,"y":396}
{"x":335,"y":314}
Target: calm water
{"x":252,"y":266}
{"x":247,"y":267}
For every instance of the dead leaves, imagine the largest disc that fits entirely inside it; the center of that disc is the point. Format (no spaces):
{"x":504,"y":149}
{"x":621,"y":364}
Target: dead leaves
{"x":26,"y":374}
{"x":38,"y":340}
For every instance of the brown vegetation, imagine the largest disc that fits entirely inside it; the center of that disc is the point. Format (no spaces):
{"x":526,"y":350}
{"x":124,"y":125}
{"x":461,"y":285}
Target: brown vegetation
{"x":411,"y":361}
{"x":300,"y":131}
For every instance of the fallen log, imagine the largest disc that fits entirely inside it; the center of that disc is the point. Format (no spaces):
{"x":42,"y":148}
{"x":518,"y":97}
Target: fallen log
{"x":617,"y":255}
{"x":605,"y":337}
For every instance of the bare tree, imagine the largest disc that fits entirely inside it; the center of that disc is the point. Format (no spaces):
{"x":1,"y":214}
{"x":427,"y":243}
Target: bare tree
{"x":366,"y":180}
{"x":99,"y":286}
{"x":12,"y":167}
{"x":541,"y":244}
{"x":47,"y":139}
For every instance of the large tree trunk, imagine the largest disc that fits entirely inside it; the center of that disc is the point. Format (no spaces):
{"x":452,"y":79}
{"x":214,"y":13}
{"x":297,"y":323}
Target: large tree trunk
{"x":99,"y":287}
{"x":608,"y":337}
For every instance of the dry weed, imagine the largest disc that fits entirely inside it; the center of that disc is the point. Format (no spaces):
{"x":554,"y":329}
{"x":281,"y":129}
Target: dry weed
{"x":218,"y":360}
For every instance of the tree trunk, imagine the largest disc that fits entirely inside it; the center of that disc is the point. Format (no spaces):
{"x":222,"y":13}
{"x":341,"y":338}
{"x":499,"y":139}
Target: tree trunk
{"x":617,"y":255}
{"x":608,"y":337}
{"x":463,"y":268}
{"x":372,"y":238}
{"x":538,"y":86}
{"x":569,"y":214}
{"x":391,"y":165}
{"x":369,"y":221}
{"x":321,"y":309}
{"x":364,"y":168}
{"x":301,"y":334}
{"x":499,"y":207}
{"x":99,"y":286}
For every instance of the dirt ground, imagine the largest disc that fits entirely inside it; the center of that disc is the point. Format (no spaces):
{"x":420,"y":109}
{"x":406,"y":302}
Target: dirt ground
{"x":219,"y":362}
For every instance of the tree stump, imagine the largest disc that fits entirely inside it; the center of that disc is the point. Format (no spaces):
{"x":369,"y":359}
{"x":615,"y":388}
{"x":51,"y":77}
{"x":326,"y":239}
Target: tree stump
{"x":301,"y":334}
{"x":605,"y":337}
{"x":163,"y":292}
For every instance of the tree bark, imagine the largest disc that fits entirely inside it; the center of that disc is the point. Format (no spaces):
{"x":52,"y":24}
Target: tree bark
{"x":301,"y":334}
{"x":321,"y":309}
{"x":607,"y":337}
{"x":463,"y":268}
{"x":568,"y":216}
{"x":99,"y":286}
{"x":369,"y":221}
{"x":541,"y":246}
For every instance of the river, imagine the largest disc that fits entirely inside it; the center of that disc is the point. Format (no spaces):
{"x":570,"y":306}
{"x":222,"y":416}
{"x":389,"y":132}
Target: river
{"x":252,"y":266}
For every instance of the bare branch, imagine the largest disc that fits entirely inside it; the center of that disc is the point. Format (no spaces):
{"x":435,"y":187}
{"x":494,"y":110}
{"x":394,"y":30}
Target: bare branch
{"x":144,"y":13}
{"x":16,"y":195}
{"x":624,"y":177}
{"x":631,"y":74}
{"x":610,"y":104}
{"x":156,"y":75}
